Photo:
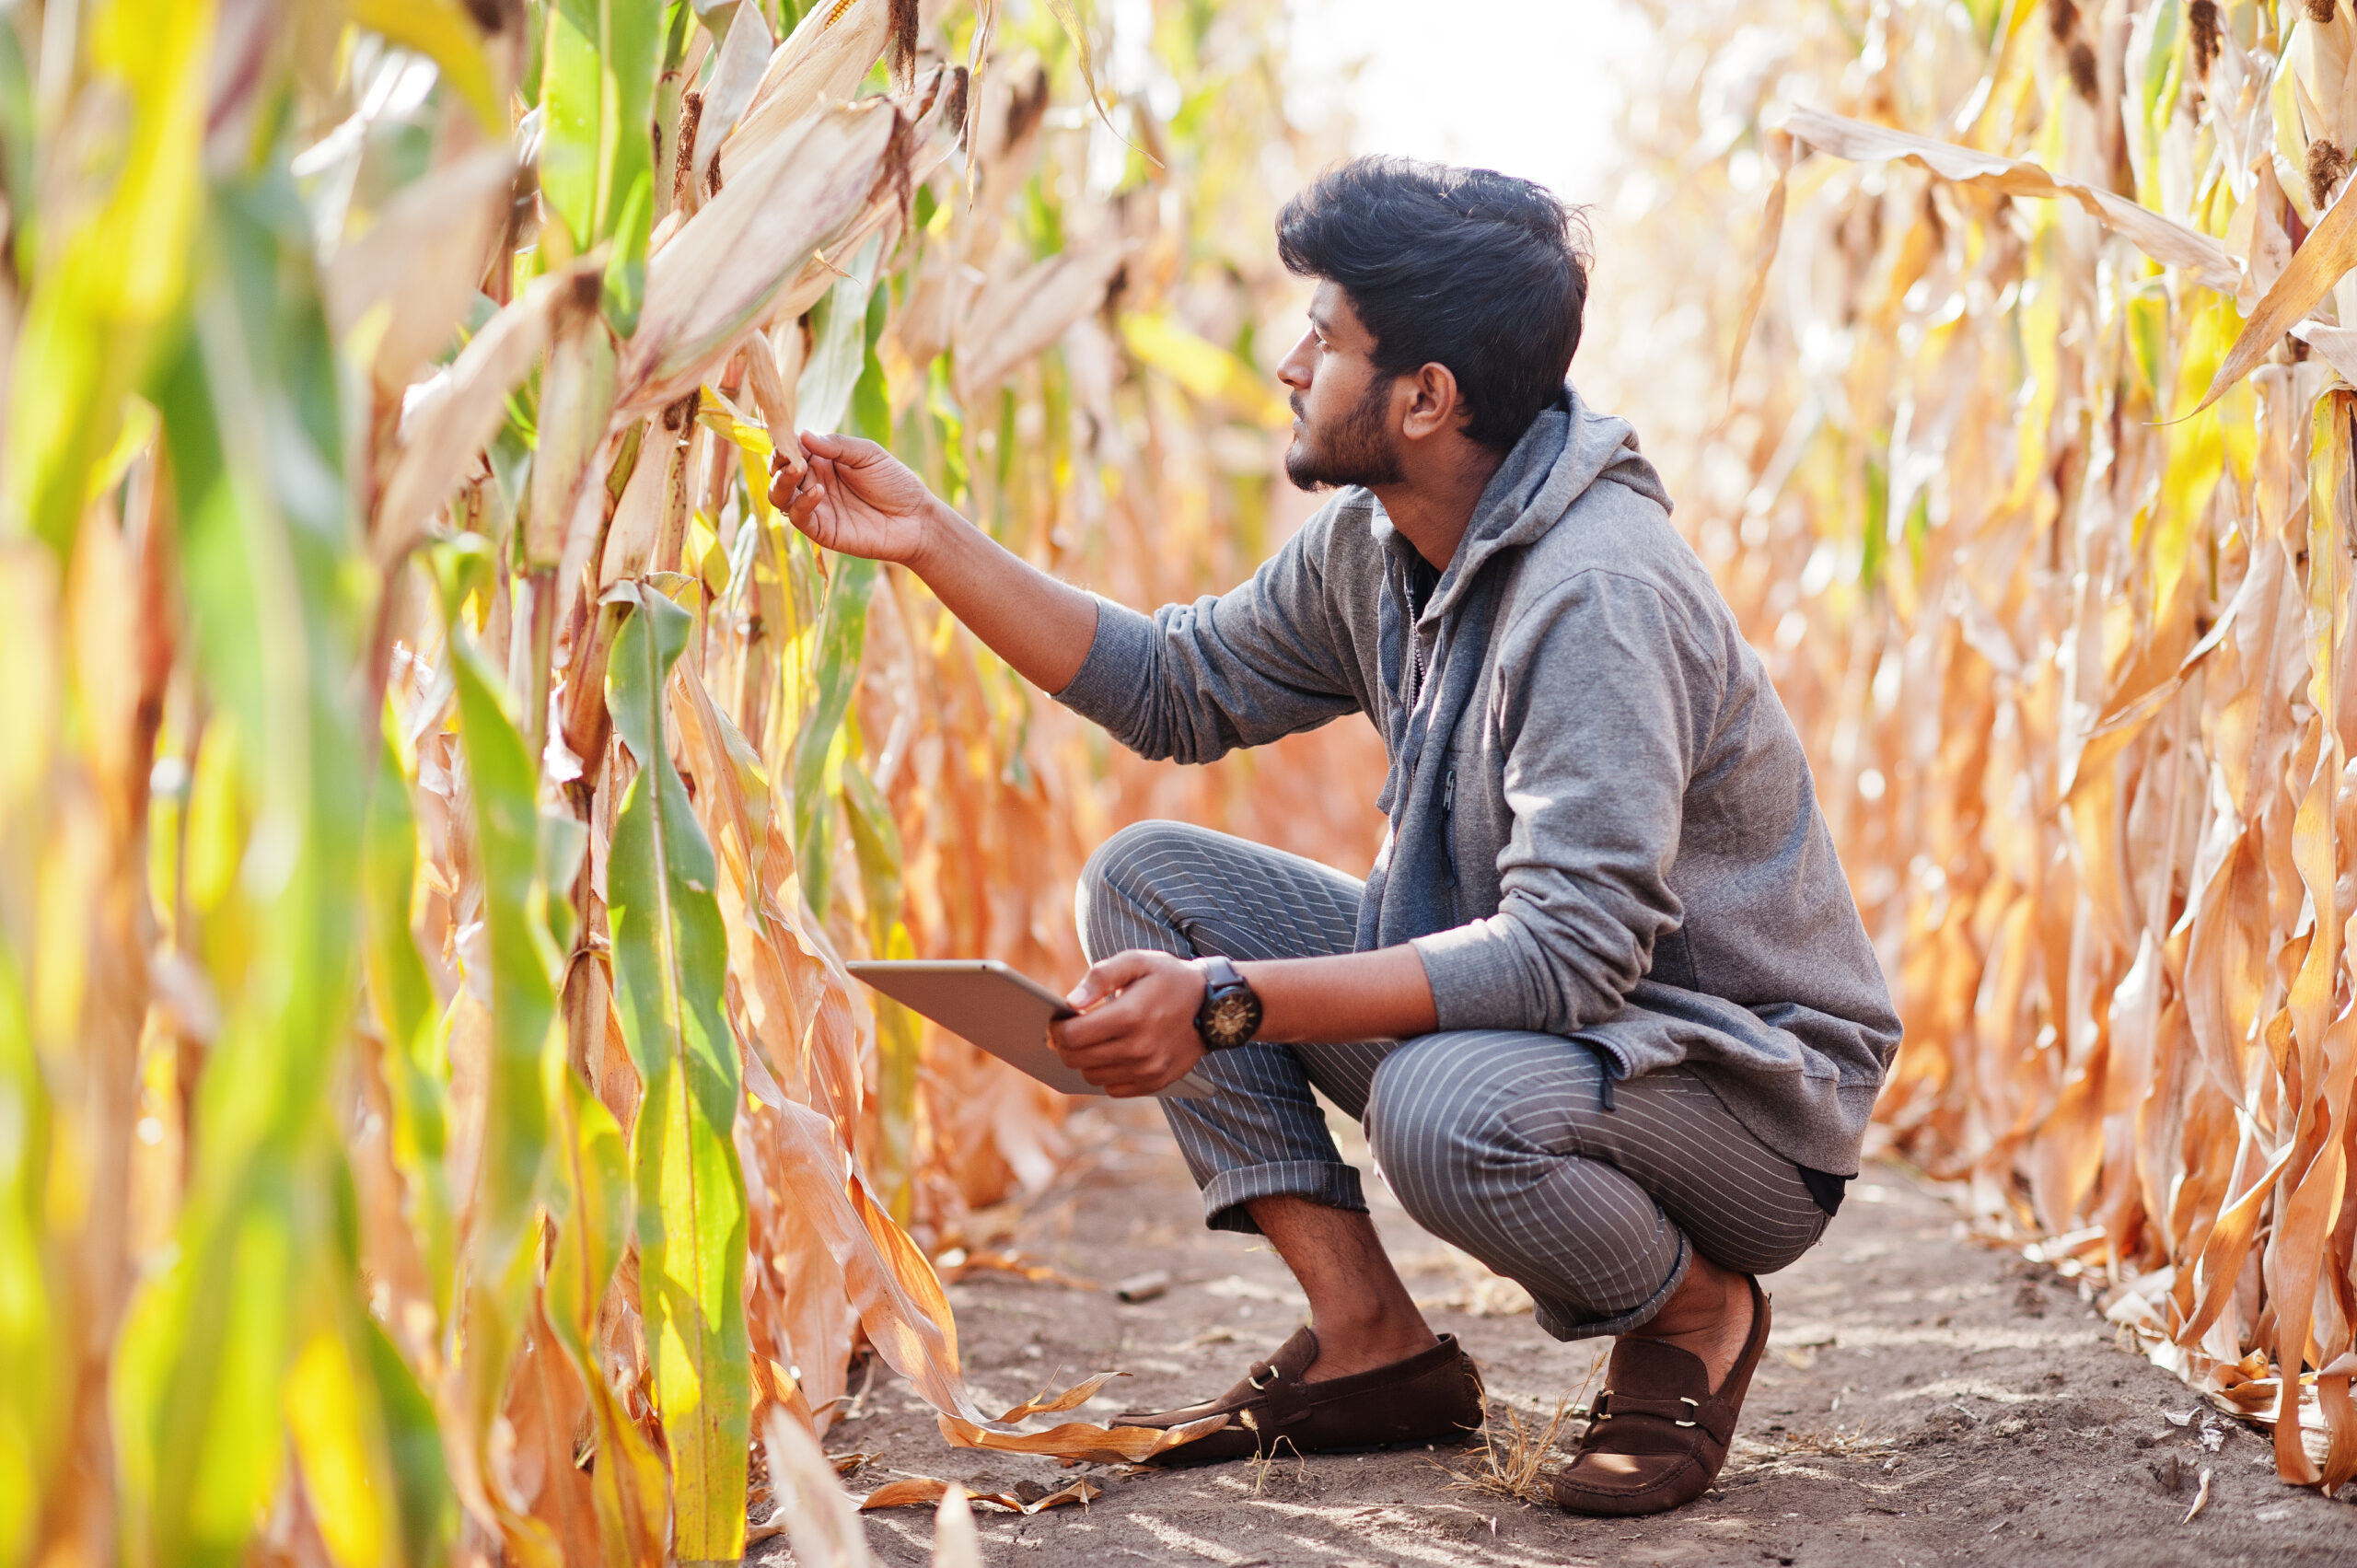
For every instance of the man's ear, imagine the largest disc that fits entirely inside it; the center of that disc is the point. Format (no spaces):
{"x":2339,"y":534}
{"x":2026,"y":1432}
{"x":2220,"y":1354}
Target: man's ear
{"x":1432,"y":404}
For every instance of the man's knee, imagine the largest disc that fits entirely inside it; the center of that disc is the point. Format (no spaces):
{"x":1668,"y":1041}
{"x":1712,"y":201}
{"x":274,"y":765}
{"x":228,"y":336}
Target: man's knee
{"x":1112,"y":900}
{"x":1437,"y":1117}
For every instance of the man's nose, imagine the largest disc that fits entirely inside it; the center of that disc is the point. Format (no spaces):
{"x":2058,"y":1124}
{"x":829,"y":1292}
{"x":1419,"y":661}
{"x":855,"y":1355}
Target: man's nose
{"x":1293,"y":370}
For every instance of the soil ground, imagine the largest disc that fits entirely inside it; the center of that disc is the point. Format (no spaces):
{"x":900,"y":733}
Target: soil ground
{"x":1926,"y":1400}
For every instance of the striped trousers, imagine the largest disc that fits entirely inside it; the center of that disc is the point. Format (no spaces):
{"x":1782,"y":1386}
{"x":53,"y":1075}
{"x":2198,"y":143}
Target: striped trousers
{"x":1513,"y":1146}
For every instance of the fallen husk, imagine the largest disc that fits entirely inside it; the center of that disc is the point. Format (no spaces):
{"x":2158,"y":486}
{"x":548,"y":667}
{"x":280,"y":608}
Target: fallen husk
{"x":926,"y":1490}
{"x":1012,"y":1263}
{"x":1080,"y":1442}
{"x":1075,"y":1442}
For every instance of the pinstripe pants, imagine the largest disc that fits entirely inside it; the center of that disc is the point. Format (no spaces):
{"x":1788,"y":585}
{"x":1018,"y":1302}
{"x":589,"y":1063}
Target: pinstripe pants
{"x":1500,"y":1142}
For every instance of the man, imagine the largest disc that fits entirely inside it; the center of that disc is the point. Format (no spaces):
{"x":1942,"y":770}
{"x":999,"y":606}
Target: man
{"x":1604,"y":1003}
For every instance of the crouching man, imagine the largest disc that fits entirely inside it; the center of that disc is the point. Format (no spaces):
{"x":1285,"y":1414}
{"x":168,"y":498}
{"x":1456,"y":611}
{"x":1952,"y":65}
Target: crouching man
{"x":1603,"y":1003}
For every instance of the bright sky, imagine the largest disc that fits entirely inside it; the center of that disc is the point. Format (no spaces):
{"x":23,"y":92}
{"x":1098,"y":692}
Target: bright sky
{"x":1524,"y":87}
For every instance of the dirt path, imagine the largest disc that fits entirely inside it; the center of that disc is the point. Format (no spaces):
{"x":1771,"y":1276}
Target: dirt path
{"x":1926,"y":1400}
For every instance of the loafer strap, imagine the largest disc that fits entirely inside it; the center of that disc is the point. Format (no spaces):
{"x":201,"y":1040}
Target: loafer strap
{"x":1711,"y":1414}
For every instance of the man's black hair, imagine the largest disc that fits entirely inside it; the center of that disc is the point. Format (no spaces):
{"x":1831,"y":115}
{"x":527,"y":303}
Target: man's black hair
{"x":1473,"y":269}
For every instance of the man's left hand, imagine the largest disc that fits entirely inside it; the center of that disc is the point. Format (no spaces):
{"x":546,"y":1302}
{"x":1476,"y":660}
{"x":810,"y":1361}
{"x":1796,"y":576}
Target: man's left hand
{"x":1136,"y":1033}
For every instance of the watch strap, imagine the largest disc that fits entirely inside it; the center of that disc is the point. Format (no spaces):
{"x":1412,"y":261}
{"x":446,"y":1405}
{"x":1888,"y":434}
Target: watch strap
{"x":1222,"y":981}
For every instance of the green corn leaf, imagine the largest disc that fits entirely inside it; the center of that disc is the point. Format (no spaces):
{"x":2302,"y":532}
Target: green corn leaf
{"x":415,"y":1071}
{"x":427,"y":1507}
{"x":17,"y":146}
{"x":842,"y":631}
{"x":670,"y":961}
{"x":625,"y":283}
{"x":839,"y":345}
{"x":875,"y":843}
{"x":254,"y":437}
{"x":121,"y":274}
{"x":597,"y":92}
{"x":871,"y":399}
{"x":504,"y":785}
{"x":591,"y":1204}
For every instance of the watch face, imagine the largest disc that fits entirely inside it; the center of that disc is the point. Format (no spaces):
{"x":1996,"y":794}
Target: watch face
{"x":1232,"y":1018}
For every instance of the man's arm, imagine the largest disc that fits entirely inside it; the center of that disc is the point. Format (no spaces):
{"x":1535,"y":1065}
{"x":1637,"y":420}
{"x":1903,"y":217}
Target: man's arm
{"x":1195,"y":681}
{"x":1138,"y":1034}
{"x":857,"y":498}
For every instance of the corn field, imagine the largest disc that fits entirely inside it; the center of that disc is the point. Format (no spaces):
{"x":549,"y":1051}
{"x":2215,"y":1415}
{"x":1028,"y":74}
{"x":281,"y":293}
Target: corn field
{"x":435,"y":1124}
{"x":435,"y":1121}
{"x":2016,"y":424}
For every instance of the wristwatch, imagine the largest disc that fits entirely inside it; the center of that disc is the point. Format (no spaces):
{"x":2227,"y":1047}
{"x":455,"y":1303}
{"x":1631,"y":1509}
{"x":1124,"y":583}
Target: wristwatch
{"x":1230,"y":1015}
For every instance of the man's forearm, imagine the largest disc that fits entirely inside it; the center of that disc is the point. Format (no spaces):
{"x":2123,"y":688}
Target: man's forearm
{"x":1039,"y":625}
{"x":1346,"y":997}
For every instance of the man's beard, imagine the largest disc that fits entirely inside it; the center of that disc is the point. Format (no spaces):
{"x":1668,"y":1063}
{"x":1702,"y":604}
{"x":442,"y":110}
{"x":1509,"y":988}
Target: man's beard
{"x":1360,"y":451}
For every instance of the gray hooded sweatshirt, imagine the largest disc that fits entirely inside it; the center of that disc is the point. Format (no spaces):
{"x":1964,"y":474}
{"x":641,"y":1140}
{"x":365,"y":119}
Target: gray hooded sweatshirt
{"x":1602,"y":825}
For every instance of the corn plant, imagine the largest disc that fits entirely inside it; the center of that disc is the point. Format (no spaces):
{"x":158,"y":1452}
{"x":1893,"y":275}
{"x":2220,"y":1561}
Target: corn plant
{"x":2016,"y":422}
{"x":435,"y":1118}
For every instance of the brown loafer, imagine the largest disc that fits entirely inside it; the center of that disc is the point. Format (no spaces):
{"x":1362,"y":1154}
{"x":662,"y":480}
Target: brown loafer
{"x":1433,"y":1396}
{"x":1657,"y":1435}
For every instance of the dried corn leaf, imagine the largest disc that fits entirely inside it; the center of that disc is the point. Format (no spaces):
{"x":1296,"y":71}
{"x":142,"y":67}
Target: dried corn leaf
{"x":2328,"y":252}
{"x":451,"y":418}
{"x":407,"y":275}
{"x":715,"y":279}
{"x":2164,"y":239}
{"x":925,"y":1492}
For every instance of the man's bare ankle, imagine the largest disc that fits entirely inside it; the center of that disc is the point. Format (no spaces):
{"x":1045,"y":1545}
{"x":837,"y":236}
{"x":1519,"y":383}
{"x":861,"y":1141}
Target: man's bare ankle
{"x":1344,"y":1349}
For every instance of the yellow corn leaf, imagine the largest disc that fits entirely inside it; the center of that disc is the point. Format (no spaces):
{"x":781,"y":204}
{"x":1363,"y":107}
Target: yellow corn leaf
{"x":1203,"y":369}
{"x":1763,"y":252}
{"x":441,"y":30}
{"x":326,"y":1416}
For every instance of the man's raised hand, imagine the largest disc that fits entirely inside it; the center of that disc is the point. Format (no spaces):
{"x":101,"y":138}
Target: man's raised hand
{"x":855,"y":497}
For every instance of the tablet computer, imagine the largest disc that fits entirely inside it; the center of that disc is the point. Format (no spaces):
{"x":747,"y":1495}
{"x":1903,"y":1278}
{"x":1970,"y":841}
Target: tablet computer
{"x":1004,"y":1012}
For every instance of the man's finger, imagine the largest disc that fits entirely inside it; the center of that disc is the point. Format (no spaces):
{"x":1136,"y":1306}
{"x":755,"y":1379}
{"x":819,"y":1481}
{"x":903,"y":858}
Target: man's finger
{"x":785,"y":486}
{"x":1097,"y":1026}
{"x":1109,"y":975}
{"x":805,"y":502}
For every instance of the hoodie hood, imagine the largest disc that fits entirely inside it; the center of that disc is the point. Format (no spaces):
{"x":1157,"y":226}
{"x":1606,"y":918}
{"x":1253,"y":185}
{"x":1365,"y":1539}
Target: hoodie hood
{"x":1567,"y":449}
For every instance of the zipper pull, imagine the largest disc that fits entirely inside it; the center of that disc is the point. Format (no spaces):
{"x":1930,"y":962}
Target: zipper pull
{"x":1448,"y":792}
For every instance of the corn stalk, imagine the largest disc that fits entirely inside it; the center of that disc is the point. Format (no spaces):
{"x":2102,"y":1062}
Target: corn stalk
{"x":2020,"y":437}
{"x":443,"y":791}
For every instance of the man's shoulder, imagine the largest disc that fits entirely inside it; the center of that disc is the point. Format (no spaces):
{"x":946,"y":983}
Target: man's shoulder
{"x":1616,"y":533}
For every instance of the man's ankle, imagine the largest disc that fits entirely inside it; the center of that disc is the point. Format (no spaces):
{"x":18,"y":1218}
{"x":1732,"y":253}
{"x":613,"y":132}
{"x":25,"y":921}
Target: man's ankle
{"x":1365,"y":1343}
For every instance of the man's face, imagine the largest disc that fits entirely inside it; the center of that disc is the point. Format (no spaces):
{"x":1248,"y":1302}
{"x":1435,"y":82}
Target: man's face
{"x":1342,"y":431}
